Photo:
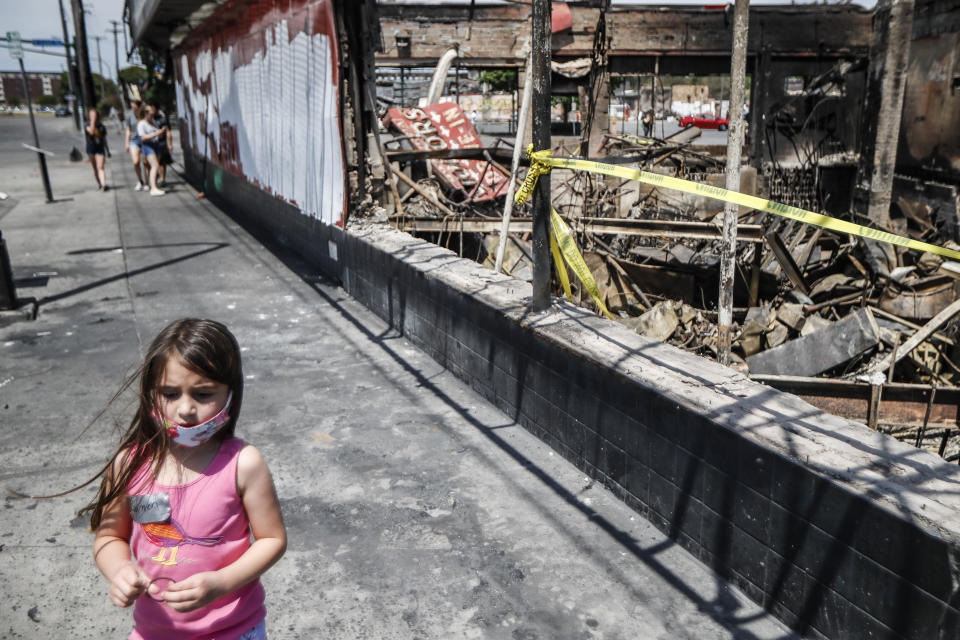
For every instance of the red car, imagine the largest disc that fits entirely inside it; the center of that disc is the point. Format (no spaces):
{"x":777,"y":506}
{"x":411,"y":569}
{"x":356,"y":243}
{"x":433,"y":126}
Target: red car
{"x":704,"y":122}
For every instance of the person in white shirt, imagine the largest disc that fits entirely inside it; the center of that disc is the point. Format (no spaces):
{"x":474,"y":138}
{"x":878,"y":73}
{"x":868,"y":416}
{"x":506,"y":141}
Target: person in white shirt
{"x":150,"y":136}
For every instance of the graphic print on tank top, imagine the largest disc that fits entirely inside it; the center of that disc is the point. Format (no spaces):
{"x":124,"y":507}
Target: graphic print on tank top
{"x":152,"y":513}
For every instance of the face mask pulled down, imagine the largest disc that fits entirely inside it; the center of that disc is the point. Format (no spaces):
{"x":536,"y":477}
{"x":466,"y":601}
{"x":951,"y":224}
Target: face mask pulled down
{"x":197,"y":434}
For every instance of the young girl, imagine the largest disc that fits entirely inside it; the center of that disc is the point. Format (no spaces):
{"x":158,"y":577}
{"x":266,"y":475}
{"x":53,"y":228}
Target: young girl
{"x":183,"y":495}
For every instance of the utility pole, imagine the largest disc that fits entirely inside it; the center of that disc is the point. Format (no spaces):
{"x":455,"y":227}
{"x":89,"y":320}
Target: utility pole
{"x":116,"y":49}
{"x":100,"y":66}
{"x":83,"y":55}
{"x":728,"y":247}
{"x":71,"y":69}
{"x":539,"y":76}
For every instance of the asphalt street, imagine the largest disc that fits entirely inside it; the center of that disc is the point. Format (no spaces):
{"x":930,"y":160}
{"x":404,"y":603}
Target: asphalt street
{"x":414,"y":508}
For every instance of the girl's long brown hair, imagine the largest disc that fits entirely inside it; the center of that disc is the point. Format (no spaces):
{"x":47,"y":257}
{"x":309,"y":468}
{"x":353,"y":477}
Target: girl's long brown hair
{"x":204,"y":346}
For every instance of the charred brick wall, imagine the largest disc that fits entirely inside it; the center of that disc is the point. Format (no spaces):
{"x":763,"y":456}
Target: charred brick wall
{"x":929,"y":145}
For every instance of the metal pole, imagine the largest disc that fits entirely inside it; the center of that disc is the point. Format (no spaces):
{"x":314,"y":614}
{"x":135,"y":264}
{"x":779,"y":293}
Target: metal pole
{"x":83,"y":55}
{"x":100,"y":66}
{"x":728,"y":250}
{"x":8,"y":291}
{"x":517,"y":150}
{"x":458,"y":76}
{"x":539,"y":76}
{"x":116,"y":52}
{"x":116,"y":48}
{"x":71,"y":69}
{"x":36,"y":139}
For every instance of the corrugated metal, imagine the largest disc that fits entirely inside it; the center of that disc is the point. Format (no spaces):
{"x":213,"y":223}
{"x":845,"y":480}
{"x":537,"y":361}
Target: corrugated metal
{"x":257,"y":95}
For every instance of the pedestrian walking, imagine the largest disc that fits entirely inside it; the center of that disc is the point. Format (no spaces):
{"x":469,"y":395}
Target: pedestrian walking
{"x":164,"y":146}
{"x":182,"y":496}
{"x":98,"y":150}
{"x":150,"y":145}
{"x":132,"y":143}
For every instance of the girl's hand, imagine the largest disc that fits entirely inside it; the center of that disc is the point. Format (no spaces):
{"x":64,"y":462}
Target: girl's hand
{"x":127,"y":584}
{"x":198,"y":590}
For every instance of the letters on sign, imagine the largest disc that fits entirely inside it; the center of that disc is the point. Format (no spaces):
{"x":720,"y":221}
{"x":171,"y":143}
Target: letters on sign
{"x":445,"y":126}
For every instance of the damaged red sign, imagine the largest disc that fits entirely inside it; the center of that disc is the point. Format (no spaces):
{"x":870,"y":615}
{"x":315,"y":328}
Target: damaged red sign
{"x":445,"y":126}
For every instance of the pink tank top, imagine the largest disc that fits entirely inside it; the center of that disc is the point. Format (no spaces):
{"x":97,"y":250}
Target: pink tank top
{"x":182,"y":530}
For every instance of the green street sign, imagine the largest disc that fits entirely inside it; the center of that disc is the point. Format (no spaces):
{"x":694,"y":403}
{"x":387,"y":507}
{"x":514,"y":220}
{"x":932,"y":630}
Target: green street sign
{"x":16,"y":48}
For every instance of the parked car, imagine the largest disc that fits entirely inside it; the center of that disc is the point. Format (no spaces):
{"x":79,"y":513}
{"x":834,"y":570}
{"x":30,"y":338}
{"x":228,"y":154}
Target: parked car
{"x":704,"y":122}
{"x":62,"y":111}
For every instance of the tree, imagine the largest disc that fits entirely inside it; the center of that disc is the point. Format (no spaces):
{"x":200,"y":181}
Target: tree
{"x":499,"y":79}
{"x":108,"y":85}
{"x":45,"y":100}
{"x":14,"y":101}
{"x":158,"y":86}
{"x":134,"y":75}
{"x":63,"y":89}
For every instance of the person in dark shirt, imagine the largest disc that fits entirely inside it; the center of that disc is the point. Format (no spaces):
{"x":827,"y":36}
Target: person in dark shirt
{"x":97,"y":148}
{"x":164,"y":145}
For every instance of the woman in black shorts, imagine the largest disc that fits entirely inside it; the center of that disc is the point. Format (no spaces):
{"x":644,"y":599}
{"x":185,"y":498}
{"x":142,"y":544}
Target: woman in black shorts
{"x":97,"y":148}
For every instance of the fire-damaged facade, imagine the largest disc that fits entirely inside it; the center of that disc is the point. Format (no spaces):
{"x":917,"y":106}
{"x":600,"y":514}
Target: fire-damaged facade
{"x":929,"y":145}
{"x":264,"y":119}
{"x":257,"y":95}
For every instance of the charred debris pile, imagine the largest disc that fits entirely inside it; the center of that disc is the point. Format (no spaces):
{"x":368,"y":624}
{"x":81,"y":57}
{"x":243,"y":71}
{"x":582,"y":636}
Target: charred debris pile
{"x":862,"y":329}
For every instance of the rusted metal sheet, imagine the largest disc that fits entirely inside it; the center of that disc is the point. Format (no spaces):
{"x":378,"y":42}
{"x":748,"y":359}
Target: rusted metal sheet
{"x":901,"y":403}
{"x":257,"y":95}
{"x":445,"y":126}
{"x":923,"y":300}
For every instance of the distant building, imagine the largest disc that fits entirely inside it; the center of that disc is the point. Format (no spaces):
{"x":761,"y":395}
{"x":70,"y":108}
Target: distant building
{"x":42,"y":83}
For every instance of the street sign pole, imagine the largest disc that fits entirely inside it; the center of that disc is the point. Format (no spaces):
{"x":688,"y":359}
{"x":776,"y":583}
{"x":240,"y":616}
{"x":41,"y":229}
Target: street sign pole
{"x":36,"y":139}
{"x":16,"y":51}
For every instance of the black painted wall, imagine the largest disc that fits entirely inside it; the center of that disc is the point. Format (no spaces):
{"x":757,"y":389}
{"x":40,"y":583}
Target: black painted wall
{"x":816,"y":550}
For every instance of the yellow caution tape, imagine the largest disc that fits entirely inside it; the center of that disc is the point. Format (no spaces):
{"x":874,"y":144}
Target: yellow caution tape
{"x":561,"y":269}
{"x":542,"y":161}
{"x":533,"y":174}
{"x":568,"y":248}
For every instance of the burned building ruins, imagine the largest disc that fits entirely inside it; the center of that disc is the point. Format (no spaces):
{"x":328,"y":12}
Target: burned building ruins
{"x":813,"y":141}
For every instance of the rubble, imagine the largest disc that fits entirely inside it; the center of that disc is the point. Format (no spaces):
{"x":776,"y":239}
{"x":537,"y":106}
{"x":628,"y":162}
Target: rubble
{"x":810,"y":304}
{"x":820,"y":350}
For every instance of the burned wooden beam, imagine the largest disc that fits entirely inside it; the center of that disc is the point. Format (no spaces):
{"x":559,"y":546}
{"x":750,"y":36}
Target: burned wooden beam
{"x":821,"y":350}
{"x":413,"y":185}
{"x":786,"y":261}
{"x":602,"y":226}
{"x":476,"y":153}
{"x":921,"y":335}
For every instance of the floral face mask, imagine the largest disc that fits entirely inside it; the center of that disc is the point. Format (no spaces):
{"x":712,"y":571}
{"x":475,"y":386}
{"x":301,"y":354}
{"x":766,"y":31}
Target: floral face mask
{"x":198,"y":434}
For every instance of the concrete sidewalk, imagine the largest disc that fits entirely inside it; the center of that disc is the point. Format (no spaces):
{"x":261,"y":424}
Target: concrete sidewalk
{"x":414,"y":508}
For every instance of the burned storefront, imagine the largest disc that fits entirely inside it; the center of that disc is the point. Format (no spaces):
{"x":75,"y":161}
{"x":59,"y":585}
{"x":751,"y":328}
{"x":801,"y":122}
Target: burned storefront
{"x":852,"y":325}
